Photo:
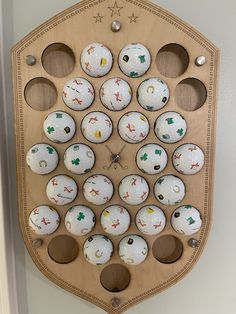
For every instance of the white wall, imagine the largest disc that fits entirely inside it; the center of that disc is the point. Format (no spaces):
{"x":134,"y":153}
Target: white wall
{"x":210,"y":287}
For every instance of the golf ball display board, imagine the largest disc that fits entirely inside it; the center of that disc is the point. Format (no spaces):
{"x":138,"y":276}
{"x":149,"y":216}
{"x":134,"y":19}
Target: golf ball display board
{"x":115,"y":106}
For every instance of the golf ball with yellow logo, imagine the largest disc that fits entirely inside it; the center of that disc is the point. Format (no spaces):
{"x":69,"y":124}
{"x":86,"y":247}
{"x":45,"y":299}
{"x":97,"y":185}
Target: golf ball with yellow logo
{"x":134,"y":60}
{"x":96,"y":127}
{"x":153,"y":94}
{"x":115,"y":220}
{"x":96,"y":60}
{"x":133,"y":127}
{"x":150,"y":220}
{"x":79,"y":220}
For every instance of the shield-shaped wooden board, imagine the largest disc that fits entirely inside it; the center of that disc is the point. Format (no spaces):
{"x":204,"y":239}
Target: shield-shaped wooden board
{"x":43,"y":62}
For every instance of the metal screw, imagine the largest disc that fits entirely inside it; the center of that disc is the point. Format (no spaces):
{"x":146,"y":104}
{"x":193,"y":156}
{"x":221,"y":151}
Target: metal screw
{"x":193,"y":243}
{"x":115,"y":157}
{"x":115,"y":302}
{"x":30,"y":60}
{"x":115,"y":26}
{"x":200,"y":60}
{"x":37,"y":243}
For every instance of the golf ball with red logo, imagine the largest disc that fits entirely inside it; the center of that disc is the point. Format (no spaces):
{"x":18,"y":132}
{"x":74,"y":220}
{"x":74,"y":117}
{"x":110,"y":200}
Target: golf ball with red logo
{"x":96,"y":127}
{"x":150,"y":220}
{"x":133,"y":127}
{"x":153,"y":94}
{"x":78,"y":94}
{"x":61,"y":190}
{"x":96,"y":60}
{"x":115,"y":220}
{"x":44,"y":220}
{"x":134,"y":60}
{"x":115,"y":94}
{"x":188,"y":159}
{"x":133,"y":189}
{"x":98,"y":189}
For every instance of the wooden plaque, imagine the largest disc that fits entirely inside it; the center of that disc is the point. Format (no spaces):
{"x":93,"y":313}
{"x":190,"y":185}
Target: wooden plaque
{"x":56,"y":46}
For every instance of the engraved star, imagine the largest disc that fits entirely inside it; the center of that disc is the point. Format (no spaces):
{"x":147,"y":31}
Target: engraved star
{"x":133,"y":18}
{"x":115,"y":9}
{"x":98,"y":18}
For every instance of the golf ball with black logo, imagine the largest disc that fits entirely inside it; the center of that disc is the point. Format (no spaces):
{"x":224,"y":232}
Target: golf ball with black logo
{"x":98,"y":249}
{"x":133,"y":249}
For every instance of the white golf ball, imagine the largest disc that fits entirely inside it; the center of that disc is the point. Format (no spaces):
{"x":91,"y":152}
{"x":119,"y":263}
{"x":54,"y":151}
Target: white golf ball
{"x":44,"y":220}
{"x":133,"y":127}
{"x":42,"y":158}
{"x":59,"y":127}
{"x":169,"y":190}
{"x":153,"y":94}
{"x":96,"y":60}
{"x":79,"y":220}
{"x":150,"y":220}
{"x":133,"y":249}
{"x":98,"y":249}
{"x":134,"y":60}
{"x":188,"y":159}
{"x":133,"y":189}
{"x":186,"y":220}
{"x":170,"y":127}
{"x":115,"y":220}
{"x":151,"y":158}
{"x":98,"y":189}
{"x":61,"y":190}
{"x":79,"y":158}
{"x":115,"y":94}
{"x":96,"y":127}
{"x":78,"y":94}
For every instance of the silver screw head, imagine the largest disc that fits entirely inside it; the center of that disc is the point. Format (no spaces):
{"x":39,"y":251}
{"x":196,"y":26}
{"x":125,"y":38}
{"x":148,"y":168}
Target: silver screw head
{"x":30,"y":60}
{"x":115,"y":302}
{"x":193,"y":243}
{"x":37,"y":243}
{"x":115,"y":26}
{"x":200,"y":60}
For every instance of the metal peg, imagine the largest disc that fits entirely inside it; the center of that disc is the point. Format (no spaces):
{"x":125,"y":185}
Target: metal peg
{"x":30,"y":60}
{"x":115,"y":158}
{"x":115,"y":26}
{"x":200,"y":60}
{"x":115,"y":302}
{"x":37,"y":243}
{"x":193,"y":243}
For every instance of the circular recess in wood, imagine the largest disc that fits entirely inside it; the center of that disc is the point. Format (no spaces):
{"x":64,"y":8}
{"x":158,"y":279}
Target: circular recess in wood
{"x":167,"y":249}
{"x":40,"y":94}
{"x":115,"y":277}
{"x":190,"y":94}
{"x":172,"y":60}
{"x":58,"y":60}
{"x":63,"y":249}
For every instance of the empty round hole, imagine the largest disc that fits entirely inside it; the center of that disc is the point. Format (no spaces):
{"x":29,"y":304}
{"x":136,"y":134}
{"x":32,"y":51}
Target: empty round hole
{"x":58,"y":60}
{"x":40,"y":94}
{"x":190,"y":94}
{"x":115,"y":278}
{"x":63,"y":249}
{"x":167,"y":249}
{"x":172,"y":60}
